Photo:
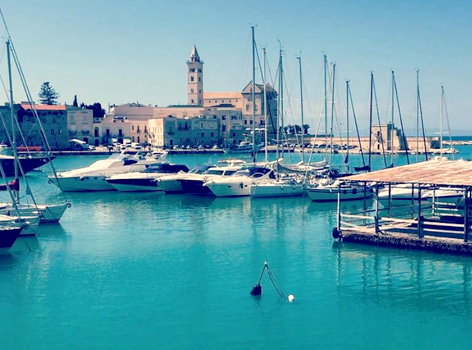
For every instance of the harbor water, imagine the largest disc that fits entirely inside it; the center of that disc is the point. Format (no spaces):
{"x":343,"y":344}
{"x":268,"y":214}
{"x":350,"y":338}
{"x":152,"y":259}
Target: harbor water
{"x":150,"y":271}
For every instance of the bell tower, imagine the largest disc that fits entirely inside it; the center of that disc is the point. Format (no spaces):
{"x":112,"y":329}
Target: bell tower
{"x":195,"y":79}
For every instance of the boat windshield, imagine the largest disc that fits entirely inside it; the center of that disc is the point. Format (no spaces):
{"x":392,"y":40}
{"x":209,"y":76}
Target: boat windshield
{"x":252,"y":171}
{"x":215,"y":172}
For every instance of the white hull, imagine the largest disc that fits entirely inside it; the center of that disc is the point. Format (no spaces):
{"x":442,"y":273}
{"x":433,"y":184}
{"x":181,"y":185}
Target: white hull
{"x":52,"y":212}
{"x":169,"y":185}
{"x":231,"y":189}
{"x":83,"y":183}
{"x":135,"y":188}
{"x":46,"y":212}
{"x":330,"y":194}
{"x":276,"y":189}
{"x":399,"y":196}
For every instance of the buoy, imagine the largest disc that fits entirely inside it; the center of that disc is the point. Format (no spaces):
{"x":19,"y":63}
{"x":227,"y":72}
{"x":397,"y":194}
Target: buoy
{"x":335,"y":232}
{"x":291,"y":298}
{"x":256,"y":290}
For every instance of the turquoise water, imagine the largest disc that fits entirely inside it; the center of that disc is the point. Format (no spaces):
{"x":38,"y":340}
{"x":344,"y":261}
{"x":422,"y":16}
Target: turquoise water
{"x":147,"y":271}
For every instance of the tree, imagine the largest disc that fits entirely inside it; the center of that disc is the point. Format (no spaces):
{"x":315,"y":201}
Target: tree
{"x":305,"y":128}
{"x":98,"y":111}
{"x":75,"y":104}
{"x":47,"y":94}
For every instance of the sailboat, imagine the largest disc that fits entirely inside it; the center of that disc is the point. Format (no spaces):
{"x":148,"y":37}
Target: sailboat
{"x":290,"y":185}
{"x":46,"y":212}
{"x":330,"y":190}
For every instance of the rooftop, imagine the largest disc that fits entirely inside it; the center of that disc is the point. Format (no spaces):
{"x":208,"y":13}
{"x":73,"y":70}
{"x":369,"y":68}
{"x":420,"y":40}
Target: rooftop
{"x":432,"y":172}
{"x":41,"y":107}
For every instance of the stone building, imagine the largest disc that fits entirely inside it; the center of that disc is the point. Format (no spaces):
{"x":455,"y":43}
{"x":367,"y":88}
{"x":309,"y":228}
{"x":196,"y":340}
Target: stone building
{"x":80,"y":124}
{"x":53,"y":120}
{"x":226,"y":116}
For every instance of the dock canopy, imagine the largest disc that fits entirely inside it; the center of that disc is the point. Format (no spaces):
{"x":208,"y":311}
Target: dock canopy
{"x":456,"y":173}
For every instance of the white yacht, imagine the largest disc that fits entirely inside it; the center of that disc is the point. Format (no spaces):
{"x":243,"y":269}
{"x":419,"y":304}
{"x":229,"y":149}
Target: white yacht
{"x":171,"y":183}
{"x":240,"y":183}
{"x":144,"y":181}
{"x":288,"y":186}
{"x":195,"y":183}
{"x":329,"y":192}
{"x":398,"y":195}
{"x":92,"y":178}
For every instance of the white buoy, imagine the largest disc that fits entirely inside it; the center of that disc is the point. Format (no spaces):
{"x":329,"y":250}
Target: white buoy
{"x":291,"y":298}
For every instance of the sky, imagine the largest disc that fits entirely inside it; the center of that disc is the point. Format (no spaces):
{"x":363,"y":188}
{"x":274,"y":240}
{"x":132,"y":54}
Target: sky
{"x":120,"y":51}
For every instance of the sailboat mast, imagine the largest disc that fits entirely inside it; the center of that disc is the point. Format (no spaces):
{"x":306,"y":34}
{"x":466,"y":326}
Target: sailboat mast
{"x":417,"y":112}
{"x":301,"y":105}
{"x":393,"y":115}
{"x":347,"y":124}
{"x":253,"y":95}
{"x":266,"y":156}
{"x":325,"y":65}
{"x":281,"y":75}
{"x":370,"y":116}
{"x":279,"y":104}
{"x":332,"y":113}
{"x":441,"y":117}
{"x":12,"y":119}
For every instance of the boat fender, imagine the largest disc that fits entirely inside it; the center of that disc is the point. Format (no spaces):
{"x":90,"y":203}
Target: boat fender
{"x":256,"y":290}
{"x":69,"y":205}
{"x":241,"y":185}
{"x":336,"y":234}
{"x":354,"y":191}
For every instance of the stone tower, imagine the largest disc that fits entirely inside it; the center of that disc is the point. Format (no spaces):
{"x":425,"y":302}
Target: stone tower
{"x":195,"y":79}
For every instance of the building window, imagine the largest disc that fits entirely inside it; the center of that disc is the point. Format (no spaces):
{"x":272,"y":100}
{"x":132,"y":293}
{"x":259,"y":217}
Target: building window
{"x":212,"y":134}
{"x":138,"y":129}
{"x":192,"y":78}
{"x":199,"y":70}
{"x":192,"y":101}
{"x":200,"y":91}
{"x":247,"y":108}
{"x":191,"y":91}
{"x":52,"y":131}
{"x":145,"y":128}
{"x":139,"y":140}
{"x":223,"y":128}
{"x":108,"y":132}
{"x":192,"y":70}
{"x":223,"y":117}
{"x":59,"y":131}
{"x":245,"y":122}
{"x":132,"y":127}
{"x":203,"y":134}
{"x":199,"y":79}
{"x":120,"y":132}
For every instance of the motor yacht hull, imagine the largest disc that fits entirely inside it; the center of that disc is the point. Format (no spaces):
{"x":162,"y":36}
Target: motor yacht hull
{"x":169,"y":185}
{"x":135,"y":185}
{"x":268,"y":190}
{"x":82,"y":183}
{"x":194,"y":186}
{"x":330,"y":194}
{"x":230,"y":189}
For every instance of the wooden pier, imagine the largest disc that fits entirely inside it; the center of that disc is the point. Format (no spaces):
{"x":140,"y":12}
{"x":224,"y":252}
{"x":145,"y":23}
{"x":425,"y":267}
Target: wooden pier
{"x":441,"y":224}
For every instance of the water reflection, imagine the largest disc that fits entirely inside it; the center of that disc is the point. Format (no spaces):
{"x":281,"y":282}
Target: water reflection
{"x":421,"y":281}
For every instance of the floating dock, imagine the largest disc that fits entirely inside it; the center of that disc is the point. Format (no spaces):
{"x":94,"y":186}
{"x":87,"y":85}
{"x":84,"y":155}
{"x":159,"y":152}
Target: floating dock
{"x":441,"y":223}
